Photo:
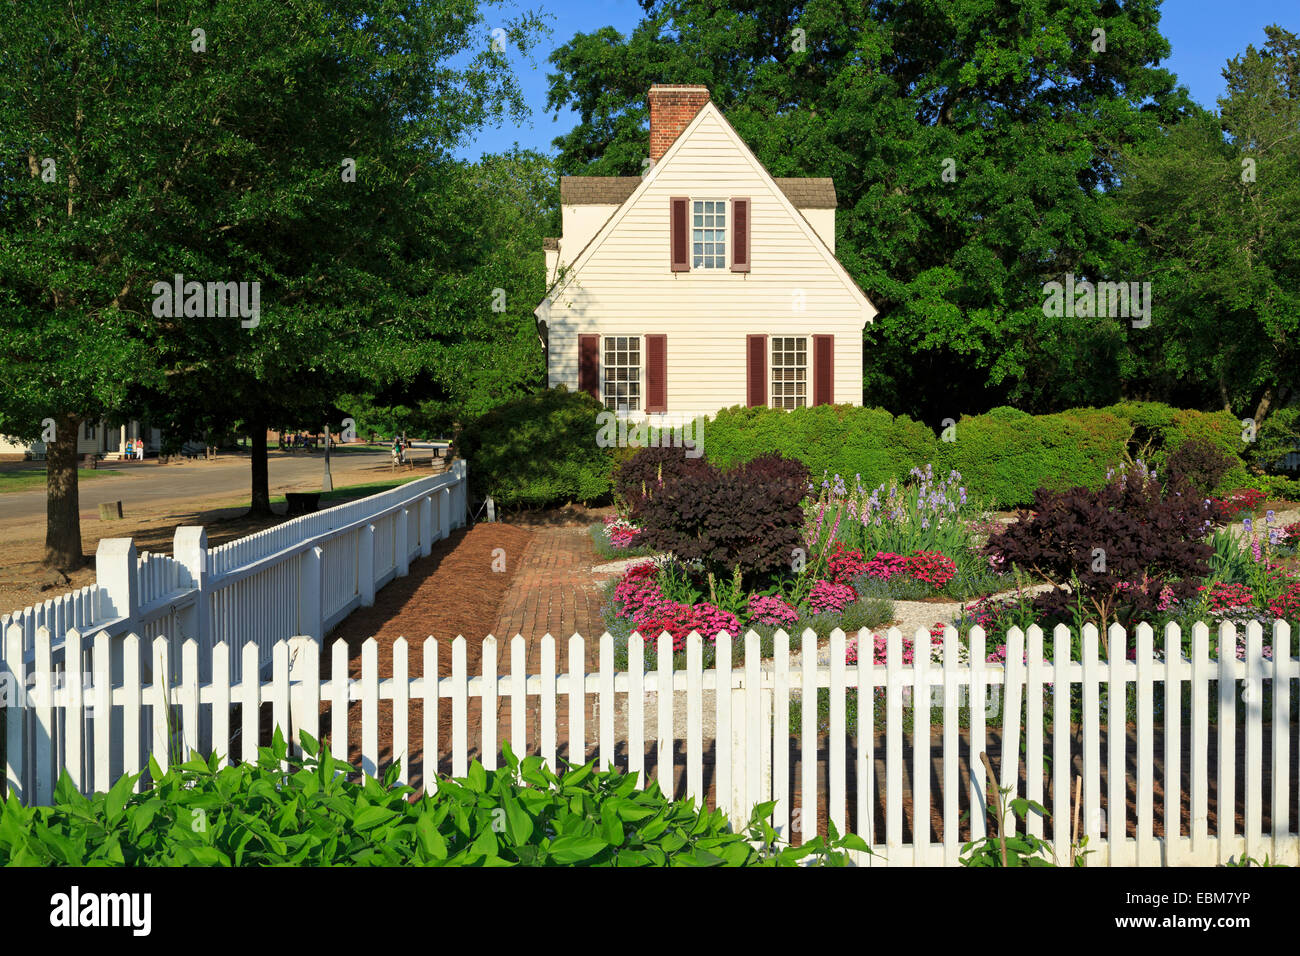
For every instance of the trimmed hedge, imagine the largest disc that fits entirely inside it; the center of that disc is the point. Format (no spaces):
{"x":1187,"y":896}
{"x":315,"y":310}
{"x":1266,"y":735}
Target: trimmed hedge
{"x":847,"y":439}
{"x":1004,"y":455}
{"x":538,"y":450}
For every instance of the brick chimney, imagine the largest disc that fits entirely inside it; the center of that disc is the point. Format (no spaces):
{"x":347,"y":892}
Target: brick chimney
{"x":671,"y":110}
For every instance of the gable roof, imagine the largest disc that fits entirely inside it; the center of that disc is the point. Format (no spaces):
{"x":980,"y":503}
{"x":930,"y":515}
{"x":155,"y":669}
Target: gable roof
{"x":813,"y":192}
{"x":642,"y":183}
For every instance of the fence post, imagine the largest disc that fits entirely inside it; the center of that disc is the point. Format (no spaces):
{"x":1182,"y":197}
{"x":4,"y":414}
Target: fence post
{"x":444,"y":512}
{"x":462,"y":493}
{"x":115,"y":572}
{"x":426,"y":526}
{"x":310,"y":613}
{"x":366,"y":565}
{"x":190,"y":550}
{"x":402,"y":523}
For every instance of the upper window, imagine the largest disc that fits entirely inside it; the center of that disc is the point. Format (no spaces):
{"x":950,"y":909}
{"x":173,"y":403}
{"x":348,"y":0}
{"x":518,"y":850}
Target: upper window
{"x":709,"y":234}
{"x":90,"y":429}
{"x":789,"y":372}
{"x":622,"y":368}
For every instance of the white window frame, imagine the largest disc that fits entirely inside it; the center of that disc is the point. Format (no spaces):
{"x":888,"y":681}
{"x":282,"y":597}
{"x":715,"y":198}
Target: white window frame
{"x":640,"y":366}
{"x":800,"y":401}
{"x":725,"y":266}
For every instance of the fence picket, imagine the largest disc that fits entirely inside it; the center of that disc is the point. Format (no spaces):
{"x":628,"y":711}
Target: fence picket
{"x":893,"y":744}
{"x":519,"y":696}
{"x":1199,"y":741}
{"x":160,"y":702}
{"x":1281,"y":767}
{"x":951,"y":787}
{"x":606,"y":701}
{"x":695,"y":717}
{"x":807,"y":736}
{"x":866,"y":737}
{"x":401,"y":709}
{"x":781,"y":734}
{"x":724,"y":741}
{"x":430,"y":709}
{"x":488,"y":702}
{"x":664,"y":737}
{"x":189,"y":695}
{"x":1034,"y":727}
{"x":103,"y":665}
{"x":339,"y":697}
{"x":577,"y":702}
{"x":1175,"y":667}
{"x":14,"y":669}
{"x":920,"y":746}
{"x":459,"y":708}
{"x":75,"y":714}
{"x":132,"y":694}
{"x":548,"y":709}
{"x":1091,"y":736}
{"x":250,"y":696}
{"x":1225,"y":810}
{"x":1253,"y":699}
{"x":45,"y":731}
{"x":1115,"y":820}
{"x":370,"y":707}
{"x":280,"y":692}
{"x":1062,"y":654}
{"x":978,"y":740}
{"x":636,"y":708}
{"x":753,"y":729}
{"x":1145,"y":768}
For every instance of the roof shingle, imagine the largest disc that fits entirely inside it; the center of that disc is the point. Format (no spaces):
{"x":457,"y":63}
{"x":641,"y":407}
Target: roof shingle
{"x":814,"y":192}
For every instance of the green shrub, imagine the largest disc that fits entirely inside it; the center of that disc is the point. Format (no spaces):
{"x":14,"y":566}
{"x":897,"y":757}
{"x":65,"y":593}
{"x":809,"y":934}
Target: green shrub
{"x":843,"y":439}
{"x":538,"y":450}
{"x":1006,"y":455}
{"x":1159,"y":430}
{"x":312,"y":815}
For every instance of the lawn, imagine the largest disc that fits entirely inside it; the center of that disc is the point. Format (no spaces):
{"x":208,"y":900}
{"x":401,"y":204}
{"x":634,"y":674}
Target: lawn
{"x":26,"y":480}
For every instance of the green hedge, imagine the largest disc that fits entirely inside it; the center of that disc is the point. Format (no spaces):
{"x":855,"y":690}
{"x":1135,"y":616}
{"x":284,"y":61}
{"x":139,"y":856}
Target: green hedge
{"x":847,"y":439}
{"x":538,"y":450}
{"x":1003,"y":455}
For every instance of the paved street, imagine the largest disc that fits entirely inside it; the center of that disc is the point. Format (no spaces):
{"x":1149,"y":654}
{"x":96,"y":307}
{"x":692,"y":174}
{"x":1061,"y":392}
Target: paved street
{"x":223,"y":481}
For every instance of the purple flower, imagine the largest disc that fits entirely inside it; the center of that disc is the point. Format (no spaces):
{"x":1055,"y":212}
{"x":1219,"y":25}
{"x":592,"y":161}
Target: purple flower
{"x":1248,"y":525}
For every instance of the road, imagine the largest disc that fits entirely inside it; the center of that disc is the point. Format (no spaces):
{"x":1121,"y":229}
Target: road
{"x":223,"y":481}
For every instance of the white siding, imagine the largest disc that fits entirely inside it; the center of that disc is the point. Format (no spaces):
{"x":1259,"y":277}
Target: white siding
{"x":625,"y":286}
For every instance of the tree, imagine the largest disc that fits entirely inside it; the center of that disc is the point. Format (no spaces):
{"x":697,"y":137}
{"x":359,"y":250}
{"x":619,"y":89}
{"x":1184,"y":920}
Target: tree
{"x":141,"y":142}
{"x":1214,"y":204}
{"x":972,"y":145}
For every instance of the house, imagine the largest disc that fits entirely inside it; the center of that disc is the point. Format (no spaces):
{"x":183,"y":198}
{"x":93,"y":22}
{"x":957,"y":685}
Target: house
{"x":94,"y":438}
{"x":703,"y":284}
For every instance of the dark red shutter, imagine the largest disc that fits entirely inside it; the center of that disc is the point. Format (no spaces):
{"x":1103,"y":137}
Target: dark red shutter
{"x":740,"y":235}
{"x":589,"y":365}
{"x":823,"y":370}
{"x":756,"y":371}
{"x":656,"y":373}
{"x":679,"y":234}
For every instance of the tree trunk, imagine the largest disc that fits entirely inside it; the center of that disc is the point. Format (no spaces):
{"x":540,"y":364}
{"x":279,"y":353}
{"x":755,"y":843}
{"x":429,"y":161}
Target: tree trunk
{"x":62,"y":505}
{"x":261,"y":500}
{"x":1262,"y":409}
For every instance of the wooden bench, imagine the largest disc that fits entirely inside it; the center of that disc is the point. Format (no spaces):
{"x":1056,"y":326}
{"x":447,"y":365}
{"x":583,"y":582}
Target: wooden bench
{"x":302,"y":502}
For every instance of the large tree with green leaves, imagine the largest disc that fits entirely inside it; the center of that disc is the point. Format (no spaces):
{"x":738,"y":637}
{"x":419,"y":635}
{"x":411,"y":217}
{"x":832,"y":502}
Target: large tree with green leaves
{"x":972,"y":144}
{"x":1214,"y":207}
{"x":305,"y":148}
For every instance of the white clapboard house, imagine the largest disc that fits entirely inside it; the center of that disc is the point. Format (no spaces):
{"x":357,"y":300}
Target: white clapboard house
{"x":703,"y":284}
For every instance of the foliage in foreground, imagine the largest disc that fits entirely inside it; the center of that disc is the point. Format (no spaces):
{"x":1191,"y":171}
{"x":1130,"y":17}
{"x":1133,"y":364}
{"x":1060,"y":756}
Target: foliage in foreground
{"x":305,"y":811}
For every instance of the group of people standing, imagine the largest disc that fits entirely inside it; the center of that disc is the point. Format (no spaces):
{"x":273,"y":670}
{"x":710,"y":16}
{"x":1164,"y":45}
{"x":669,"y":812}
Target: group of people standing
{"x":134,"y":449}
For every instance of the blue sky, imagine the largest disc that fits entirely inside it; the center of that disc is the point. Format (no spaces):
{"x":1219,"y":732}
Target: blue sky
{"x":1204,"y":34}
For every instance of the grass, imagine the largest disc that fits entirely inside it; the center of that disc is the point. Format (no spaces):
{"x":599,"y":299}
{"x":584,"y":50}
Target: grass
{"x":26,"y":480}
{"x":351,"y":492}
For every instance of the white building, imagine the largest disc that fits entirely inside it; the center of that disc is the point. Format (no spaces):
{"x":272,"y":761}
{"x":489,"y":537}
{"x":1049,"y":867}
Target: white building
{"x":94,"y":438}
{"x":705,"y":283}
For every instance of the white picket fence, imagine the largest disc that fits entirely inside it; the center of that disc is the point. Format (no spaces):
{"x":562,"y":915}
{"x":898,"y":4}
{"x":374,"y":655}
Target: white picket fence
{"x":301,"y":577}
{"x":749,"y":757}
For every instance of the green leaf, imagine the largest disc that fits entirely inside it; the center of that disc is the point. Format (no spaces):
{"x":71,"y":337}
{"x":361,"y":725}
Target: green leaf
{"x":575,"y":849}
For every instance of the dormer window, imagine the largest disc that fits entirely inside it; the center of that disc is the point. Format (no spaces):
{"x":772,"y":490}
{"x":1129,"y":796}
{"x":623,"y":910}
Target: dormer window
{"x":709,"y":234}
